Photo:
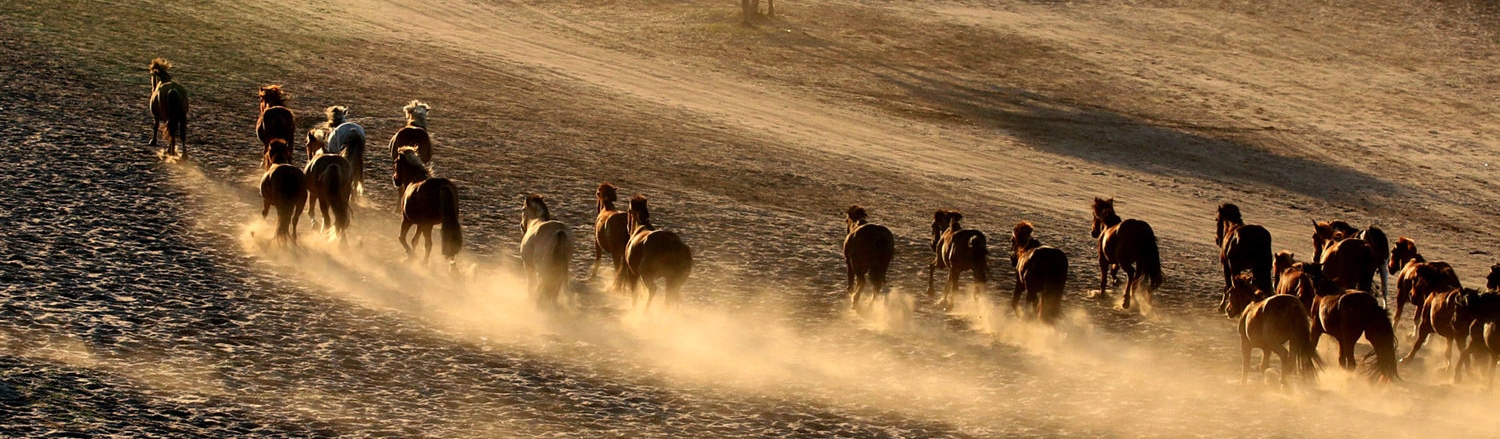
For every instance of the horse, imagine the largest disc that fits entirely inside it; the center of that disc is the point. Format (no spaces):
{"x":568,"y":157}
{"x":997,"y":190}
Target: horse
{"x":1267,"y":322}
{"x":283,"y":186}
{"x":330,"y":184}
{"x":546,"y":248}
{"x":1292,"y":279}
{"x":957,"y":250}
{"x":1242,"y":247}
{"x":276,"y":121}
{"x":1347,"y":315}
{"x":1492,"y":281}
{"x":1446,"y":313}
{"x":414,"y":134}
{"x":1128,"y":244}
{"x":427,"y":201}
{"x":610,"y":231}
{"x":653,"y":254}
{"x":1041,"y":271}
{"x":1346,"y":260}
{"x":1408,"y":264}
{"x":339,"y":136}
{"x":1484,"y":334}
{"x":169,"y":105}
{"x":1325,"y":234}
{"x":868,"y":249}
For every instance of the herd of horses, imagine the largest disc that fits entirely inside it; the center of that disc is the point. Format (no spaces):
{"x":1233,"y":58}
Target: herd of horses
{"x":1283,"y":306}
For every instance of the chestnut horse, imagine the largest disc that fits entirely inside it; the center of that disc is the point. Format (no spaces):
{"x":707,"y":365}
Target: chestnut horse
{"x":276,"y":120}
{"x":1484,"y":334}
{"x":427,"y":201}
{"x":1242,"y":247}
{"x":1129,"y":245}
{"x":1347,"y":315}
{"x":330,"y":185}
{"x":1041,"y":271}
{"x":414,"y":134}
{"x":169,"y":105}
{"x":1268,"y":321}
{"x":1408,"y":265}
{"x":868,"y":249}
{"x":1292,"y":279}
{"x":610,"y":231}
{"x":957,"y":250}
{"x":653,"y":254}
{"x":1446,"y":313}
{"x":339,"y":136}
{"x":546,"y":248}
{"x":1326,"y":234}
{"x":283,"y":186}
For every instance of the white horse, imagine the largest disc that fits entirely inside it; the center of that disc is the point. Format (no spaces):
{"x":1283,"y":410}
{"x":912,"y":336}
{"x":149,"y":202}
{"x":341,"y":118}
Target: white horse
{"x":338,"y":136}
{"x":546,"y":249}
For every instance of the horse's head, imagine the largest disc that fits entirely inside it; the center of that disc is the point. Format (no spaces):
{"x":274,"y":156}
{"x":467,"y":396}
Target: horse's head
{"x":534,"y":209}
{"x":1020,"y":240}
{"x":278,"y":152}
{"x":638,"y":214}
{"x":1282,"y":261}
{"x":1229,"y":214}
{"x":337,"y":114}
{"x":409,"y":167}
{"x":606,"y":193}
{"x":272,"y":96}
{"x":159,"y":73}
{"x":1241,"y":294}
{"x":1492,"y":282}
{"x":854,"y":216}
{"x":316,"y":140}
{"x":1104,"y":215}
{"x":1404,"y":251}
{"x":1323,"y":235}
{"x":416,"y":113}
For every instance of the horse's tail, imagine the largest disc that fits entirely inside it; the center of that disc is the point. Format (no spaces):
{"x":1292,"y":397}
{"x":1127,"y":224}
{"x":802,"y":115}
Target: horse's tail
{"x":355,"y":152}
{"x":1380,"y":333}
{"x":176,"y":101}
{"x":885,"y":249}
{"x":1150,"y":261}
{"x":336,"y":195}
{"x":1265,"y":262}
{"x":1302,"y":348}
{"x":453,"y":234}
{"x":626,"y":279}
{"x":978,"y":244}
{"x":1053,"y":271}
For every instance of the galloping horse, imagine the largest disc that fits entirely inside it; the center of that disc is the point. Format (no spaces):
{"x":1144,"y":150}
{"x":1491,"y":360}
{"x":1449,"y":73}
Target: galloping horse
{"x":330,"y":185}
{"x":610,"y":231}
{"x":1446,"y":313}
{"x":1041,"y":271}
{"x":1293,"y":279}
{"x":1242,"y":247}
{"x":868,"y":249}
{"x":1408,"y":265}
{"x":957,"y":250}
{"x":1347,"y":315}
{"x":546,"y":248}
{"x":283,"y":186}
{"x":276,"y":120}
{"x":653,"y":254}
{"x":1267,"y":322}
{"x":1353,"y":271}
{"x":414,"y":134}
{"x":427,"y":201}
{"x":1127,"y":244}
{"x":339,"y":136}
{"x":169,"y":105}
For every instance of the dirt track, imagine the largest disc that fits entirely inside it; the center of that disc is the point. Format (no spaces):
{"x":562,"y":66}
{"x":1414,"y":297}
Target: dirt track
{"x":140,"y":297}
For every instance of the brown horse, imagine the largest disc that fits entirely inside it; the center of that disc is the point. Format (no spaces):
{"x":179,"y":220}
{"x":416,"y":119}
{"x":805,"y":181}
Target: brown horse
{"x":1127,"y":244}
{"x":611,"y":233}
{"x":957,"y":250}
{"x":169,"y":105}
{"x":653,"y":254}
{"x":276,"y":120}
{"x":339,"y":136}
{"x":1293,"y":279}
{"x":414,"y":134}
{"x":1267,"y":322}
{"x":1446,"y":313}
{"x":330,"y":185}
{"x":546,"y":249}
{"x":1347,"y":315}
{"x":1041,"y":271}
{"x":868,"y":249}
{"x":1326,"y":234}
{"x":1484,"y":334}
{"x":1408,"y":265}
{"x":284,"y":187}
{"x":1242,"y":247}
{"x":1346,"y":260}
{"x":427,"y":201}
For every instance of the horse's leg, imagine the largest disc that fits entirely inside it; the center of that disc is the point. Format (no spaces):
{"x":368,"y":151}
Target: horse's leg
{"x":650,"y":290}
{"x":1131,"y":279}
{"x":1422,"y":332}
{"x":426,"y":233}
{"x":405,"y":226}
{"x":1346,"y":352}
{"x":1286,"y":362}
{"x":1104,"y":266}
{"x":296,"y":218}
{"x":948,"y":287}
{"x":930,"y":269}
{"x":1228,"y":284}
{"x":849,"y":284}
{"x":1245,"y":350}
{"x":155,"y":129}
{"x":594,"y":270}
{"x":1400,"y":305}
{"x":1015,"y":296}
{"x":323,"y":207}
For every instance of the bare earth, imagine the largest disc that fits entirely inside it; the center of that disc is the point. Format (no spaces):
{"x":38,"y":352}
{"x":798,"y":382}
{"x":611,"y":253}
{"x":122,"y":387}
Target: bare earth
{"x":141,"y":298}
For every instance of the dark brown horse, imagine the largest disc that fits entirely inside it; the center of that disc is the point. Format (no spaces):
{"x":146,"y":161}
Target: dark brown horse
{"x":169,"y":105}
{"x":1410,"y":266}
{"x":1128,"y":244}
{"x":284,"y":187}
{"x":1348,"y":261}
{"x":1293,"y":279}
{"x":611,"y":231}
{"x":1492,"y":281}
{"x":653,"y":254}
{"x":957,"y":250}
{"x":1484,"y":334}
{"x":1326,"y":234}
{"x":427,"y":201}
{"x":1446,"y":313}
{"x":868,"y":249}
{"x":276,"y":121}
{"x":1267,"y":322}
{"x":1243,"y":247}
{"x":414,"y":134}
{"x":1347,"y":315}
{"x":330,"y":185}
{"x":1041,"y":271}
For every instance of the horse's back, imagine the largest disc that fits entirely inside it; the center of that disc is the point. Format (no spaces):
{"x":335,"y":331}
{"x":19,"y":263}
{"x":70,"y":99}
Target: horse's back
{"x":547,"y":235}
{"x":284,"y":184}
{"x":1046,"y":263}
{"x":659,"y":253}
{"x":169,"y":101}
{"x":422,"y":201}
{"x":414,"y":137}
{"x":347,"y":138}
{"x":872,"y":240}
{"x":276,"y":123}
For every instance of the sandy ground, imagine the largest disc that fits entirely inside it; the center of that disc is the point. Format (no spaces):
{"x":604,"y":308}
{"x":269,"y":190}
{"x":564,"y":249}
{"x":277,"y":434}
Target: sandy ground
{"x":141,"y":297}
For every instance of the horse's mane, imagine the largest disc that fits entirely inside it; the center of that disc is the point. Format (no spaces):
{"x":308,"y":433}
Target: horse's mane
{"x":1493,"y":280}
{"x":416,"y":113}
{"x":1022,"y":234}
{"x":273,"y":95}
{"x":606,"y":193}
{"x":856,"y":213}
{"x":1283,"y":260}
{"x":639,"y":212}
{"x":1105,"y":210}
{"x":1231,"y":213}
{"x":336,"y":115}
{"x":278,"y":148}
{"x":159,"y":68}
{"x":407,"y":155}
{"x":541,"y":205}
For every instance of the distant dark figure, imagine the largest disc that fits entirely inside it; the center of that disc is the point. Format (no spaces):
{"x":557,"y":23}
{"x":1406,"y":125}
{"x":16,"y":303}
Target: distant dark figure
{"x":957,"y":250}
{"x":1267,"y":322}
{"x":868,"y":249}
{"x":276,"y":121}
{"x":427,"y":201}
{"x":414,"y":134}
{"x":169,"y":105}
{"x":284,"y":187}
{"x":546,"y":248}
{"x":653,"y":254}
{"x":1409,"y":266}
{"x":1041,"y":271}
{"x":1243,"y":247}
{"x":611,"y":233}
{"x":1129,"y":245}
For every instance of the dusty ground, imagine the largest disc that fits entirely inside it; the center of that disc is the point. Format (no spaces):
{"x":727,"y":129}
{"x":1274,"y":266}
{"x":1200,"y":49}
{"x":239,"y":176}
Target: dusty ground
{"x":141,"y":299}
